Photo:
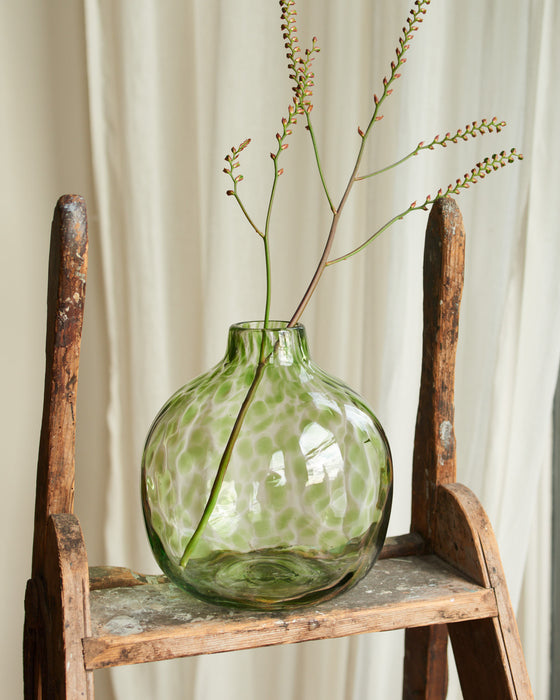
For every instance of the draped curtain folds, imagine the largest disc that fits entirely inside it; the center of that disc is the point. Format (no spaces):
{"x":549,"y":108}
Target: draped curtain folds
{"x":172,"y":86}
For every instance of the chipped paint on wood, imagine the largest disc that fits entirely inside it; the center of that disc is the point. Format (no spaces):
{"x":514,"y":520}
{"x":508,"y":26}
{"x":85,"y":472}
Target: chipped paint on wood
{"x":446,"y":434}
{"x":146,"y":622}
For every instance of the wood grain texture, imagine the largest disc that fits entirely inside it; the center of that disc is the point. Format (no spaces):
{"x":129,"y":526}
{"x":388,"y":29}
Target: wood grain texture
{"x":488,"y":654}
{"x":429,"y":679}
{"x":101,"y":577}
{"x":434,"y":459}
{"x":34,"y":647}
{"x":434,"y":444}
{"x":159,"y":621}
{"x":65,"y":304}
{"x":65,"y":611}
{"x":457,"y":536}
{"x":403,"y":546}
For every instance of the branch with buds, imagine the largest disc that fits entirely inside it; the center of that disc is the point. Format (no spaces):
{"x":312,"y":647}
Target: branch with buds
{"x":470,"y":131}
{"x":487,"y":166}
{"x":413,"y":21}
{"x":236,"y":179}
{"x":300,"y":72}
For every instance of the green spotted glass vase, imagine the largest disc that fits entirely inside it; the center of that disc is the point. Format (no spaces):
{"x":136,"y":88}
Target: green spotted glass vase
{"x":304,"y":504}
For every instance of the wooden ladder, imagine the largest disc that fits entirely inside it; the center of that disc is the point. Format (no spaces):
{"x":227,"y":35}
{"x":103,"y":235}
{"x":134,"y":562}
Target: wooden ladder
{"x":444,"y":577}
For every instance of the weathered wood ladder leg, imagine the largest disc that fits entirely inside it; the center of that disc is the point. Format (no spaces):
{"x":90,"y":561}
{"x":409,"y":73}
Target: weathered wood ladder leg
{"x":425,"y":671}
{"x":487,"y":652}
{"x":56,"y":601}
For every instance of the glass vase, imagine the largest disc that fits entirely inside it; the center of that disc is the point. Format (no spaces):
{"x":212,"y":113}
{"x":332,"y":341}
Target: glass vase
{"x":304,"y":505}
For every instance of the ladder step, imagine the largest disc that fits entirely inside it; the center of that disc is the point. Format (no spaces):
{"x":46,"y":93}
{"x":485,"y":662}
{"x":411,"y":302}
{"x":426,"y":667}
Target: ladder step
{"x":155,"y":620}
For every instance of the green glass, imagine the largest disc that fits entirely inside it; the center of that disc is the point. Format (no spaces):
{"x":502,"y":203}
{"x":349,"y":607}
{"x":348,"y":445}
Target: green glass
{"x":303,"y":510}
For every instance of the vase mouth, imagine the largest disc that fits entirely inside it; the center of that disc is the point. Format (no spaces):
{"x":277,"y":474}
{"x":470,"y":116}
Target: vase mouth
{"x":250,"y":341}
{"x":273,"y":326}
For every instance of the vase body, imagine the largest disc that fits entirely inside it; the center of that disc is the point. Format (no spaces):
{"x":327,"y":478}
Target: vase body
{"x":304,"y":505}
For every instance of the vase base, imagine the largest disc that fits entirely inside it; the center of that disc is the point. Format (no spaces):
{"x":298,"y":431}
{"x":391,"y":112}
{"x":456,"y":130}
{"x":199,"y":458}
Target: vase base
{"x":270,"y":579}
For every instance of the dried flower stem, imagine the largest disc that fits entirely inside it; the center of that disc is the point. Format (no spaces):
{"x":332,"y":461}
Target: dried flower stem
{"x":413,"y":21}
{"x":302,"y":75}
{"x":236,"y":179}
{"x":486,"y":167}
{"x":471,"y":130}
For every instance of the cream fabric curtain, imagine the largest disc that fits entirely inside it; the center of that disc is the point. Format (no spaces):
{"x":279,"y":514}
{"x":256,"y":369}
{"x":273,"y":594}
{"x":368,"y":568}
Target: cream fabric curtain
{"x":171,"y":86}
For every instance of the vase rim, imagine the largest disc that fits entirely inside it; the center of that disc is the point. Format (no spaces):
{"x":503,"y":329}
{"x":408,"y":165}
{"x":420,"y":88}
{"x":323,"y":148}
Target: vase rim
{"x":273,"y":326}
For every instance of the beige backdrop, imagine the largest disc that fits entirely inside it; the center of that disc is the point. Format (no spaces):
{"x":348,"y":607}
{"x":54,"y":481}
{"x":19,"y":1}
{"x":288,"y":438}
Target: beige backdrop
{"x":134,"y":104}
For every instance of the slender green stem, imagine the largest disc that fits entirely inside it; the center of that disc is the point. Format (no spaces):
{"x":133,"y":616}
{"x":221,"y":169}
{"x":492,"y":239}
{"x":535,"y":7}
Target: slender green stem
{"x":272,"y":193}
{"x":266,"y":317}
{"x":318,"y":161}
{"x":246,"y":213}
{"x":480,"y":171}
{"x":267,"y":247}
{"x":222,"y":468}
{"x":470,"y":131}
{"x":364,"y":135}
{"x":321,"y":266}
{"x":234,"y":435}
{"x":389,"y":167}
{"x":372,"y":237}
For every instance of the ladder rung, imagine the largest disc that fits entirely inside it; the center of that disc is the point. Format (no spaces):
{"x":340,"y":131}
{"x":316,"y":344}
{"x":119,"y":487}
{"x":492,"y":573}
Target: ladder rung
{"x":158,"y":621}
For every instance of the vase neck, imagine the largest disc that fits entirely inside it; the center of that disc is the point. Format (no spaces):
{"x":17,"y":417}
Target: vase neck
{"x":287,"y":345}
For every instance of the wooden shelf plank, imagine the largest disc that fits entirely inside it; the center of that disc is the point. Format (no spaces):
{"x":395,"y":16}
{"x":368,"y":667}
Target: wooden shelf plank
{"x":156,"y":621}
